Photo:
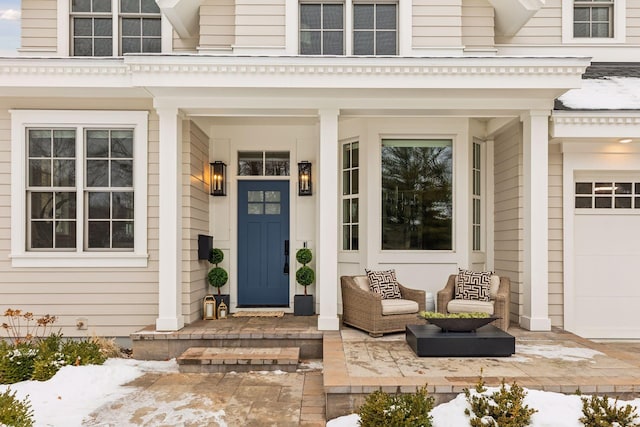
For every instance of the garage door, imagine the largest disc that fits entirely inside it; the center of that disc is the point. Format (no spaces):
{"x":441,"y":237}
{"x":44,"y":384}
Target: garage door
{"x":607,"y":257}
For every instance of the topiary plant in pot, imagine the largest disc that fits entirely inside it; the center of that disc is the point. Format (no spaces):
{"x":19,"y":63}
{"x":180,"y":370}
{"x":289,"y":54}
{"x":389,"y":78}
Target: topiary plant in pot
{"x":305,"y":276}
{"x":217,"y":276}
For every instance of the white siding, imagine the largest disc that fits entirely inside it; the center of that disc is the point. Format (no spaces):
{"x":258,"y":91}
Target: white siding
{"x":556,"y":289}
{"x":436,"y":23}
{"x":195,"y":218}
{"x":217,"y":24}
{"x":116,"y":302}
{"x":545,"y":28}
{"x":477,"y":24}
{"x":260,"y":23}
{"x":508,"y":232}
{"x":633,"y":22}
{"x":38,"y":26}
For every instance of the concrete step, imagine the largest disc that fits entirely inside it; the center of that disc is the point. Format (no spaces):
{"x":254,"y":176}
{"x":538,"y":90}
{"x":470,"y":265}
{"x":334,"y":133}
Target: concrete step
{"x":238,"y":359}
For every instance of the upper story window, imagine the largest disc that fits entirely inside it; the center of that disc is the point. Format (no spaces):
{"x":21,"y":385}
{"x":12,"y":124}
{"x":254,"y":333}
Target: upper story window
{"x":321,"y":29}
{"x":593,"y":18}
{"x":375,"y":29}
{"x":325,"y":29}
{"x":94,"y":23}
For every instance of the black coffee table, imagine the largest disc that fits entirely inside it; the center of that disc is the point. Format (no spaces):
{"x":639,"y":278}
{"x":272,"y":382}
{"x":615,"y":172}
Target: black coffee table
{"x":487,"y":341}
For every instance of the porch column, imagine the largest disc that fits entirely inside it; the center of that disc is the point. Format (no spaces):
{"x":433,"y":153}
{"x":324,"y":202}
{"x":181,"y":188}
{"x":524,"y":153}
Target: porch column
{"x":535,"y":316}
{"x":170,"y":222}
{"x":327,"y":230}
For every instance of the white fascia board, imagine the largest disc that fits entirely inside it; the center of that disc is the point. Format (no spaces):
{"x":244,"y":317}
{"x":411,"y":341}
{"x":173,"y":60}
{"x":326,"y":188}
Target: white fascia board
{"x":512,"y":15}
{"x":184,"y":15}
{"x":350,"y":72}
{"x":595,"y":124}
{"x":64,"y":72}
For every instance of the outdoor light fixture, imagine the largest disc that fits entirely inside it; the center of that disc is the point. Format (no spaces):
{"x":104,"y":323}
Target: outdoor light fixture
{"x":625,"y":140}
{"x":304,"y":179}
{"x":218,"y":178}
{"x":209,"y":308}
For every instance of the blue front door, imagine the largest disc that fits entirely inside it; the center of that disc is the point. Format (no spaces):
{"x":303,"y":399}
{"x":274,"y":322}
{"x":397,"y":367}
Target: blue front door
{"x":263,"y":243}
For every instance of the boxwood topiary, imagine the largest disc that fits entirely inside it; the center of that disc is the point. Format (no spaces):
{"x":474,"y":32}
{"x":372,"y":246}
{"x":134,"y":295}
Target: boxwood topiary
{"x":305,"y":275}
{"x":217,"y":276}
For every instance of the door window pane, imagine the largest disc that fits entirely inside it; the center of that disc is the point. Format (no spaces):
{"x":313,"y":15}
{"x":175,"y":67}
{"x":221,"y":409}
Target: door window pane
{"x":272,"y":196}
{"x":417,"y":209}
{"x":272,"y":208}
{"x":255,"y":208}
{"x":255,"y":196}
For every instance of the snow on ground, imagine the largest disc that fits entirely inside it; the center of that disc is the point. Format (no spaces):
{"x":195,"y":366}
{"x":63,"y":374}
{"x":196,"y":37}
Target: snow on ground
{"x":76,"y":391}
{"x":554,"y":410}
{"x":571,"y":354}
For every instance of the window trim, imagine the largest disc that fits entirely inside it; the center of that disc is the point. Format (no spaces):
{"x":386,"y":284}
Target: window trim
{"x":65,"y":39}
{"x":619,"y":26}
{"x":21,"y":120}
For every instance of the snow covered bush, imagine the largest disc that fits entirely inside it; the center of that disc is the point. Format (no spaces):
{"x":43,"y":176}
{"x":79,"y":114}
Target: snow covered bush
{"x":14,"y":412}
{"x":502,"y":408}
{"x":399,"y":410}
{"x":598,"y":412}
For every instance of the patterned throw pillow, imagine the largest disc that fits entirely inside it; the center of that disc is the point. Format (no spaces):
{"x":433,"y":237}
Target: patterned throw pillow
{"x":384,"y":283}
{"x":473,"y":285}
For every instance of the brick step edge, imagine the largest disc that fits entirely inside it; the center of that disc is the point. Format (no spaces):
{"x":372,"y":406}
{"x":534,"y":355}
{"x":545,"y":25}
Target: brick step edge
{"x":245,"y":358}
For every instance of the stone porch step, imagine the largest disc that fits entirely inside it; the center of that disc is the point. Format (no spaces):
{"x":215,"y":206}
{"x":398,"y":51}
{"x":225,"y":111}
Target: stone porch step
{"x":239,"y":359}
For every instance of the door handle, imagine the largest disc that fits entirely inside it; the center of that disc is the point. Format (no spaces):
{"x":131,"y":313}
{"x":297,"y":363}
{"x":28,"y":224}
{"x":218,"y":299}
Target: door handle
{"x":286,"y":257}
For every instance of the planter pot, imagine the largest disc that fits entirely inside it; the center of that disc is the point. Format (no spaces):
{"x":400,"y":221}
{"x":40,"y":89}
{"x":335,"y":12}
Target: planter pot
{"x":222,"y":297}
{"x":303,"y":305}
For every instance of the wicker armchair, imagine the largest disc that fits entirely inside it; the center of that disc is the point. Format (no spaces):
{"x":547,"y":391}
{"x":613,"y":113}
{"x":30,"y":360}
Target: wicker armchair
{"x":500,"y":302}
{"x":363,"y":309}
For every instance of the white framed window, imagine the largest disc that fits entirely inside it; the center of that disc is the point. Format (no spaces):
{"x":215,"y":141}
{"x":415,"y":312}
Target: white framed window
{"x":606,"y":194}
{"x":264,"y":163}
{"x":350,"y":196}
{"x":79,"y":188}
{"x":593,"y":21}
{"x":136,"y":25}
{"x":375,"y":29}
{"x":476,"y":197}
{"x":358,"y":28}
{"x":417,"y":194}
{"x":321,"y":29}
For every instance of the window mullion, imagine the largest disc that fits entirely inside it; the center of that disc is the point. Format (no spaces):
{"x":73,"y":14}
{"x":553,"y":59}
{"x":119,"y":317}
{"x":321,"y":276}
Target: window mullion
{"x":115,"y":27}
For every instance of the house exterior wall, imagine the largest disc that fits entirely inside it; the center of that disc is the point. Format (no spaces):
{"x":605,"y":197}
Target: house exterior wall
{"x":556,"y":266}
{"x":39,"y":25}
{"x":544,"y":28}
{"x":195,"y":218}
{"x":260,"y":23}
{"x":436,"y":23}
{"x":217,"y":24}
{"x":477,"y":25}
{"x":115,"y":301}
{"x":509,"y":220}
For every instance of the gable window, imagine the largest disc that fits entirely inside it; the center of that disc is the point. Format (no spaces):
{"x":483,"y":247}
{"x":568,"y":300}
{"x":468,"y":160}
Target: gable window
{"x":593,"y":18}
{"x":375,"y":29}
{"x":321,"y":29}
{"x":350,"y":195}
{"x":417,"y":207}
{"x":98,"y":30}
{"x":82,"y":184}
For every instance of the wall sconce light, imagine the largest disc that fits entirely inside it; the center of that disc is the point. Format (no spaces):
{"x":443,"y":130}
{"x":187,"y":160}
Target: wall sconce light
{"x":218,"y":178}
{"x":304,"y":179}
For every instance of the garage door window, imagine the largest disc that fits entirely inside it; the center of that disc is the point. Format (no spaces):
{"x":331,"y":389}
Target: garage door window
{"x":607,"y":195}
